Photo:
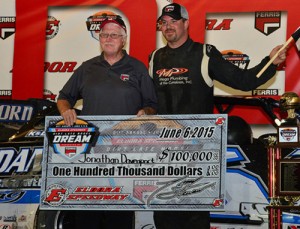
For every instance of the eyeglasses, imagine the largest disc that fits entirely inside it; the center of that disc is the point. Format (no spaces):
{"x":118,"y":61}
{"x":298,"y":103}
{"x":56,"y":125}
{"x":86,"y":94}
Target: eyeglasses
{"x":112,"y":35}
{"x":171,"y":22}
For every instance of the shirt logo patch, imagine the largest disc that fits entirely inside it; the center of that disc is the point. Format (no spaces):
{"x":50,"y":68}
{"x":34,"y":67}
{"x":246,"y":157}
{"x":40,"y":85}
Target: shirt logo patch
{"x":124,"y":77}
{"x":171,"y":72}
{"x":174,"y":76}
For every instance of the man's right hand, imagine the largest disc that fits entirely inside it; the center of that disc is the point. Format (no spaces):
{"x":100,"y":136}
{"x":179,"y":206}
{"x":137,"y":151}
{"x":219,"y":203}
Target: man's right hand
{"x":69,"y":116}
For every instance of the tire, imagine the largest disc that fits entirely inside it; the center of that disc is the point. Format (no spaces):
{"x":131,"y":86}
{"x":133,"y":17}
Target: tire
{"x":47,"y":219}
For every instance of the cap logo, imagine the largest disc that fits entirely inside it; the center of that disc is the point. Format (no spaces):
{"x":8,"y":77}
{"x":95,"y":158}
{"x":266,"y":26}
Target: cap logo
{"x":169,"y":9}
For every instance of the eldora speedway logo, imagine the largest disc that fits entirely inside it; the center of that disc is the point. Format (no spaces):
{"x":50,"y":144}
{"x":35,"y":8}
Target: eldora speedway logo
{"x":52,"y":27}
{"x":56,"y":195}
{"x":220,"y":121}
{"x":71,"y":141}
{"x":7,"y":27}
{"x":93,"y":22}
{"x":267,"y":21}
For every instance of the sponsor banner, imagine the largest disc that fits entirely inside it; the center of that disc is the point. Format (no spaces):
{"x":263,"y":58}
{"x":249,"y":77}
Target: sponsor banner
{"x":7,"y":34}
{"x":137,"y":163}
{"x":265,"y":30}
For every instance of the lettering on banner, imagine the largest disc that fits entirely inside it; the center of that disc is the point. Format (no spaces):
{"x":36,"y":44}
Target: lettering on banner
{"x":214,"y":24}
{"x":13,"y":161}
{"x":15,"y":113}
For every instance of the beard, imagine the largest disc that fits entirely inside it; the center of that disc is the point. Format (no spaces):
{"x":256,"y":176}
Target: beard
{"x":170,"y":35}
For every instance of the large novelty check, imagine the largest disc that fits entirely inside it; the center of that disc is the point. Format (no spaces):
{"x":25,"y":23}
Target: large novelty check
{"x":135,"y":163}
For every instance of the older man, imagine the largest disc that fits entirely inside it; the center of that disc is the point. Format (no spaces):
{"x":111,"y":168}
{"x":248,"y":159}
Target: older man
{"x":113,"y":83}
{"x":110,"y":84}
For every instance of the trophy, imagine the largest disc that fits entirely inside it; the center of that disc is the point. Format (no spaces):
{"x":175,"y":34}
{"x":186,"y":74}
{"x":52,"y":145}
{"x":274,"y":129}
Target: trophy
{"x":288,"y":129}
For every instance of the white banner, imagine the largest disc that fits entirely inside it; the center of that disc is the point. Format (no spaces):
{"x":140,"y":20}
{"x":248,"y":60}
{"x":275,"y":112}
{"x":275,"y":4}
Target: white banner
{"x":245,"y":38}
{"x":7,"y":31}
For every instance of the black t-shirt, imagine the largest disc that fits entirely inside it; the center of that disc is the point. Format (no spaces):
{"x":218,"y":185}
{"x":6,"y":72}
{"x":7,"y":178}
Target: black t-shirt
{"x":120,"y":89}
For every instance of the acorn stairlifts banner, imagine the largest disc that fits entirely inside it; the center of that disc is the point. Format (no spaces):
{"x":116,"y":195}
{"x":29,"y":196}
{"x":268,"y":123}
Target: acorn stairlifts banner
{"x":126,"y":162}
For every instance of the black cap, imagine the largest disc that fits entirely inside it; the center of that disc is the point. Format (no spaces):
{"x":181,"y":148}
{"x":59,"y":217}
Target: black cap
{"x":114,"y":19}
{"x":175,"y":11}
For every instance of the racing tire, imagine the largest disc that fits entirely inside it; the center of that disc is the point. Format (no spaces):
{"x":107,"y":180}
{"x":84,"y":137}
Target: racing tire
{"x":52,"y":220}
